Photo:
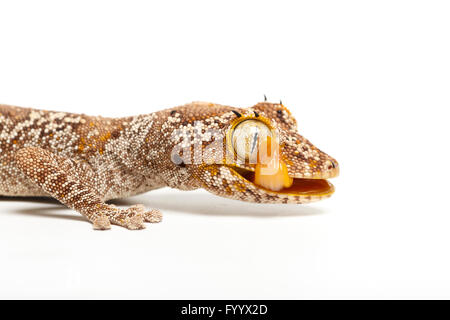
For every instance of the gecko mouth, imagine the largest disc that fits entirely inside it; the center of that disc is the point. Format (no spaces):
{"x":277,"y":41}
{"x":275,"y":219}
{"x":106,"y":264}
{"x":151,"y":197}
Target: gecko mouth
{"x":299,"y":187}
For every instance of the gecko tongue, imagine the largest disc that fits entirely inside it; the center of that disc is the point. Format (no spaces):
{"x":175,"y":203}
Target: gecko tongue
{"x":271,"y":171}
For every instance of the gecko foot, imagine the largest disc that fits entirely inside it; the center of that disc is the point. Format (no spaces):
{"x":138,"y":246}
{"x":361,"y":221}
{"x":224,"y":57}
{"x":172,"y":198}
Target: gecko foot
{"x":132,"y":218}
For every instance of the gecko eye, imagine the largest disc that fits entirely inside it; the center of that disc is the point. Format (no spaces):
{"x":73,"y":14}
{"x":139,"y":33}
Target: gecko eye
{"x":246,"y":136}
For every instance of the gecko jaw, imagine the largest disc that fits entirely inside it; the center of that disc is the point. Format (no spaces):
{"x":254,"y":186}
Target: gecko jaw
{"x":300,"y":187}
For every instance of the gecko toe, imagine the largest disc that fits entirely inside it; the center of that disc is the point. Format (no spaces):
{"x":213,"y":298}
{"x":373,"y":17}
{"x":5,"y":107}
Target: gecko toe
{"x":102,"y":223}
{"x":153,"y":216}
{"x":136,"y":222}
{"x":138,"y":208}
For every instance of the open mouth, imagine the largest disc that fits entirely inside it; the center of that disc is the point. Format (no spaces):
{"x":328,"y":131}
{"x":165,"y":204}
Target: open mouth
{"x":299,"y":187}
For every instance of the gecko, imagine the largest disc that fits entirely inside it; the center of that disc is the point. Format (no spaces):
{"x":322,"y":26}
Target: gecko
{"x":84,"y":161}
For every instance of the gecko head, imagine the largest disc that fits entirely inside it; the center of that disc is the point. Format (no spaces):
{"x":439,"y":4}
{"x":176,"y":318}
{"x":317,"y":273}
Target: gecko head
{"x":257,"y":155}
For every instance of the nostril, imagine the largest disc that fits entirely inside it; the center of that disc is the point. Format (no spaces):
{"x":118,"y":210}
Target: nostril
{"x":332,"y":165}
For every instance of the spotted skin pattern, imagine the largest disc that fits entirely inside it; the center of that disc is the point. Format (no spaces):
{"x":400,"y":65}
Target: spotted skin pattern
{"x":84,"y":161}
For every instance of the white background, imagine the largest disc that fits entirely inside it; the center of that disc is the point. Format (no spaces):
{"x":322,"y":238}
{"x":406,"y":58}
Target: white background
{"x":369,"y":84}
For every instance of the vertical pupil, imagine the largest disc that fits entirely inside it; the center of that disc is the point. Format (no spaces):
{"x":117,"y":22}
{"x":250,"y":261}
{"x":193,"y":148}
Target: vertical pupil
{"x":254,"y":140}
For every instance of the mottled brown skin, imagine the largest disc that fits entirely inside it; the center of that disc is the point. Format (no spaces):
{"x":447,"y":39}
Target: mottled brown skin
{"x":83,"y":161}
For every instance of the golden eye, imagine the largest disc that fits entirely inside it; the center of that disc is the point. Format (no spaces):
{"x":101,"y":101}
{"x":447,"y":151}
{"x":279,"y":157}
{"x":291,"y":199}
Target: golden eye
{"x":246,"y":136}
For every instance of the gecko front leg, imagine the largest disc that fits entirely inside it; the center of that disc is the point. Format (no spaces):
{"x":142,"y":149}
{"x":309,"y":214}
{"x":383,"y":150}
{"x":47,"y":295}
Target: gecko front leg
{"x":71,"y":183}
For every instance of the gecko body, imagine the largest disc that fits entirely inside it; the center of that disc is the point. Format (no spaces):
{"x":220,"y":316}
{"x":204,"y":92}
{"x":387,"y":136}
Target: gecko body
{"x":84,"y":161}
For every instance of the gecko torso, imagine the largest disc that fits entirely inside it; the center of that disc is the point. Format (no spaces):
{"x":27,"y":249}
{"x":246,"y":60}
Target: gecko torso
{"x":83,"y":161}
